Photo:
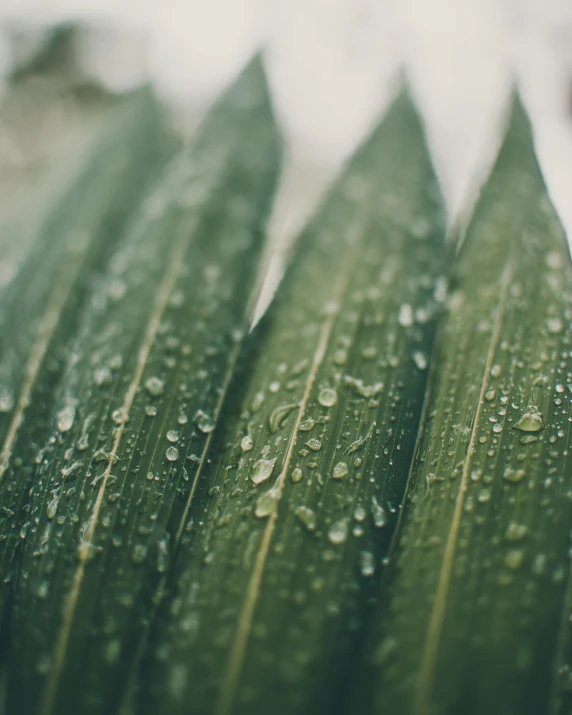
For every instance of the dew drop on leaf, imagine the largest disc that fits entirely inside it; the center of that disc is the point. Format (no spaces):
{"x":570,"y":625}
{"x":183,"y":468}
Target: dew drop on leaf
{"x":204,"y":422}
{"x":278,"y":416}
{"x":405,"y":317}
{"x":554,"y":325}
{"x":296,"y":474}
{"x":66,"y":418}
{"x":513,"y":559}
{"x":266,"y":503}
{"x":340,"y":470}
{"x":172,"y":454}
{"x":514,"y":475}
{"x":307,"y":517}
{"x":367,"y":563}
{"x":378,"y":513}
{"x":531,"y":421}
{"x":327,"y":397}
{"x":262,"y":470}
{"x":420,"y":360}
{"x":338,"y":532}
{"x":246,"y":443}
{"x":154,"y":386}
{"x":6,"y":399}
{"x":516,"y":532}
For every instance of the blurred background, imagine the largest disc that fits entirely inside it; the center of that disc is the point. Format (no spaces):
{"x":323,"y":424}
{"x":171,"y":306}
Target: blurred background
{"x":333,"y":66}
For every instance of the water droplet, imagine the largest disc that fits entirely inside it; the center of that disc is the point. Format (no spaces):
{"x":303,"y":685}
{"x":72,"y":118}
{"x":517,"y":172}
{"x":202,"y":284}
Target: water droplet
{"x":513,"y":559}
{"x":112,"y":651}
{"x":554,"y":325}
{"x":490,"y":394}
{"x":340,"y":357}
{"x":314,"y":444}
{"x":528,"y":439}
{"x":163,"y":553}
{"x":257,"y":401}
{"x":497,"y":428}
{"x":338,"y":532}
{"x":514,"y":475}
{"x":405,"y":317}
{"x":203,"y":422}
{"x":172,"y":454}
{"x":52,"y":506}
{"x":361,"y":389}
{"x":367,"y":563}
{"x":307,"y":425}
{"x":496,"y":370}
{"x":327,"y":397}
{"x":6,"y":399}
{"x":139,"y":553}
{"x":119,"y":416}
{"x":531,"y":421}
{"x":516,"y":532}
{"x":66,"y":418}
{"x":262,"y":470}
{"x":360,"y":513}
{"x":340,"y":470}
{"x":246,"y":443}
{"x":43,"y":589}
{"x":554,"y":260}
{"x":173,"y":435}
{"x":102,"y":376}
{"x":297,"y":475}
{"x":484,"y":495}
{"x":559,"y":388}
{"x":154,"y":386}
{"x":369,"y":352}
{"x":420,"y":360}
{"x":266,"y":503}
{"x":307,"y":517}
{"x":151,"y":410}
{"x":378,"y":513}
{"x":274,"y":386}
{"x":278,"y":416}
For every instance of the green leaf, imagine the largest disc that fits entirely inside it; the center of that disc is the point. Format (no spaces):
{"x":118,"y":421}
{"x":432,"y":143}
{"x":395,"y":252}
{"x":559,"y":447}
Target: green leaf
{"x":138,"y":401}
{"x":470,"y":615}
{"x":295,"y":509}
{"x":39,"y":307}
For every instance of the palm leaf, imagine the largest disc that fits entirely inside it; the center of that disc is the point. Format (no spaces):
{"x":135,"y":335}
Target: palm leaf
{"x":138,"y":400}
{"x":39,"y":306}
{"x":295,"y":510}
{"x":470,"y":615}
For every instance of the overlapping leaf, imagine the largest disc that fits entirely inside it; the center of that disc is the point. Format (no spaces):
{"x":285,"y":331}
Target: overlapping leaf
{"x":295,"y":510}
{"x":471,"y":612}
{"x":138,"y":401}
{"x":39,"y":307}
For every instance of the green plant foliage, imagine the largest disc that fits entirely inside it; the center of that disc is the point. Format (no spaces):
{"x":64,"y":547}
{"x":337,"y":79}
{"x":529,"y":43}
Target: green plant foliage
{"x":139,"y":398}
{"x":39,"y":306}
{"x":470,"y":612}
{"x":294,"y":512}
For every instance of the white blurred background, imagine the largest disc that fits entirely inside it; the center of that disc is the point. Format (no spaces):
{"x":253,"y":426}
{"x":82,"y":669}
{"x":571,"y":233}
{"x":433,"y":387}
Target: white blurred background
{"x":333,"y":65}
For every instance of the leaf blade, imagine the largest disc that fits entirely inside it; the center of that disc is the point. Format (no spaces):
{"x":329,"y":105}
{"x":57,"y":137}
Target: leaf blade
{"x":183,"y":267}
{"x":477,"y":534}
{"x":346,"y":293}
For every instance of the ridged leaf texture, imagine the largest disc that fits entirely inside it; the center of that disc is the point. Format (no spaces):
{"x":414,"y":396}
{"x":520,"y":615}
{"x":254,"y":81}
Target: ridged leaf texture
{"x":471,"y":611}
{"x":294,"y":513}
{"x":39,"y":307}
{"x":138,"y":401}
